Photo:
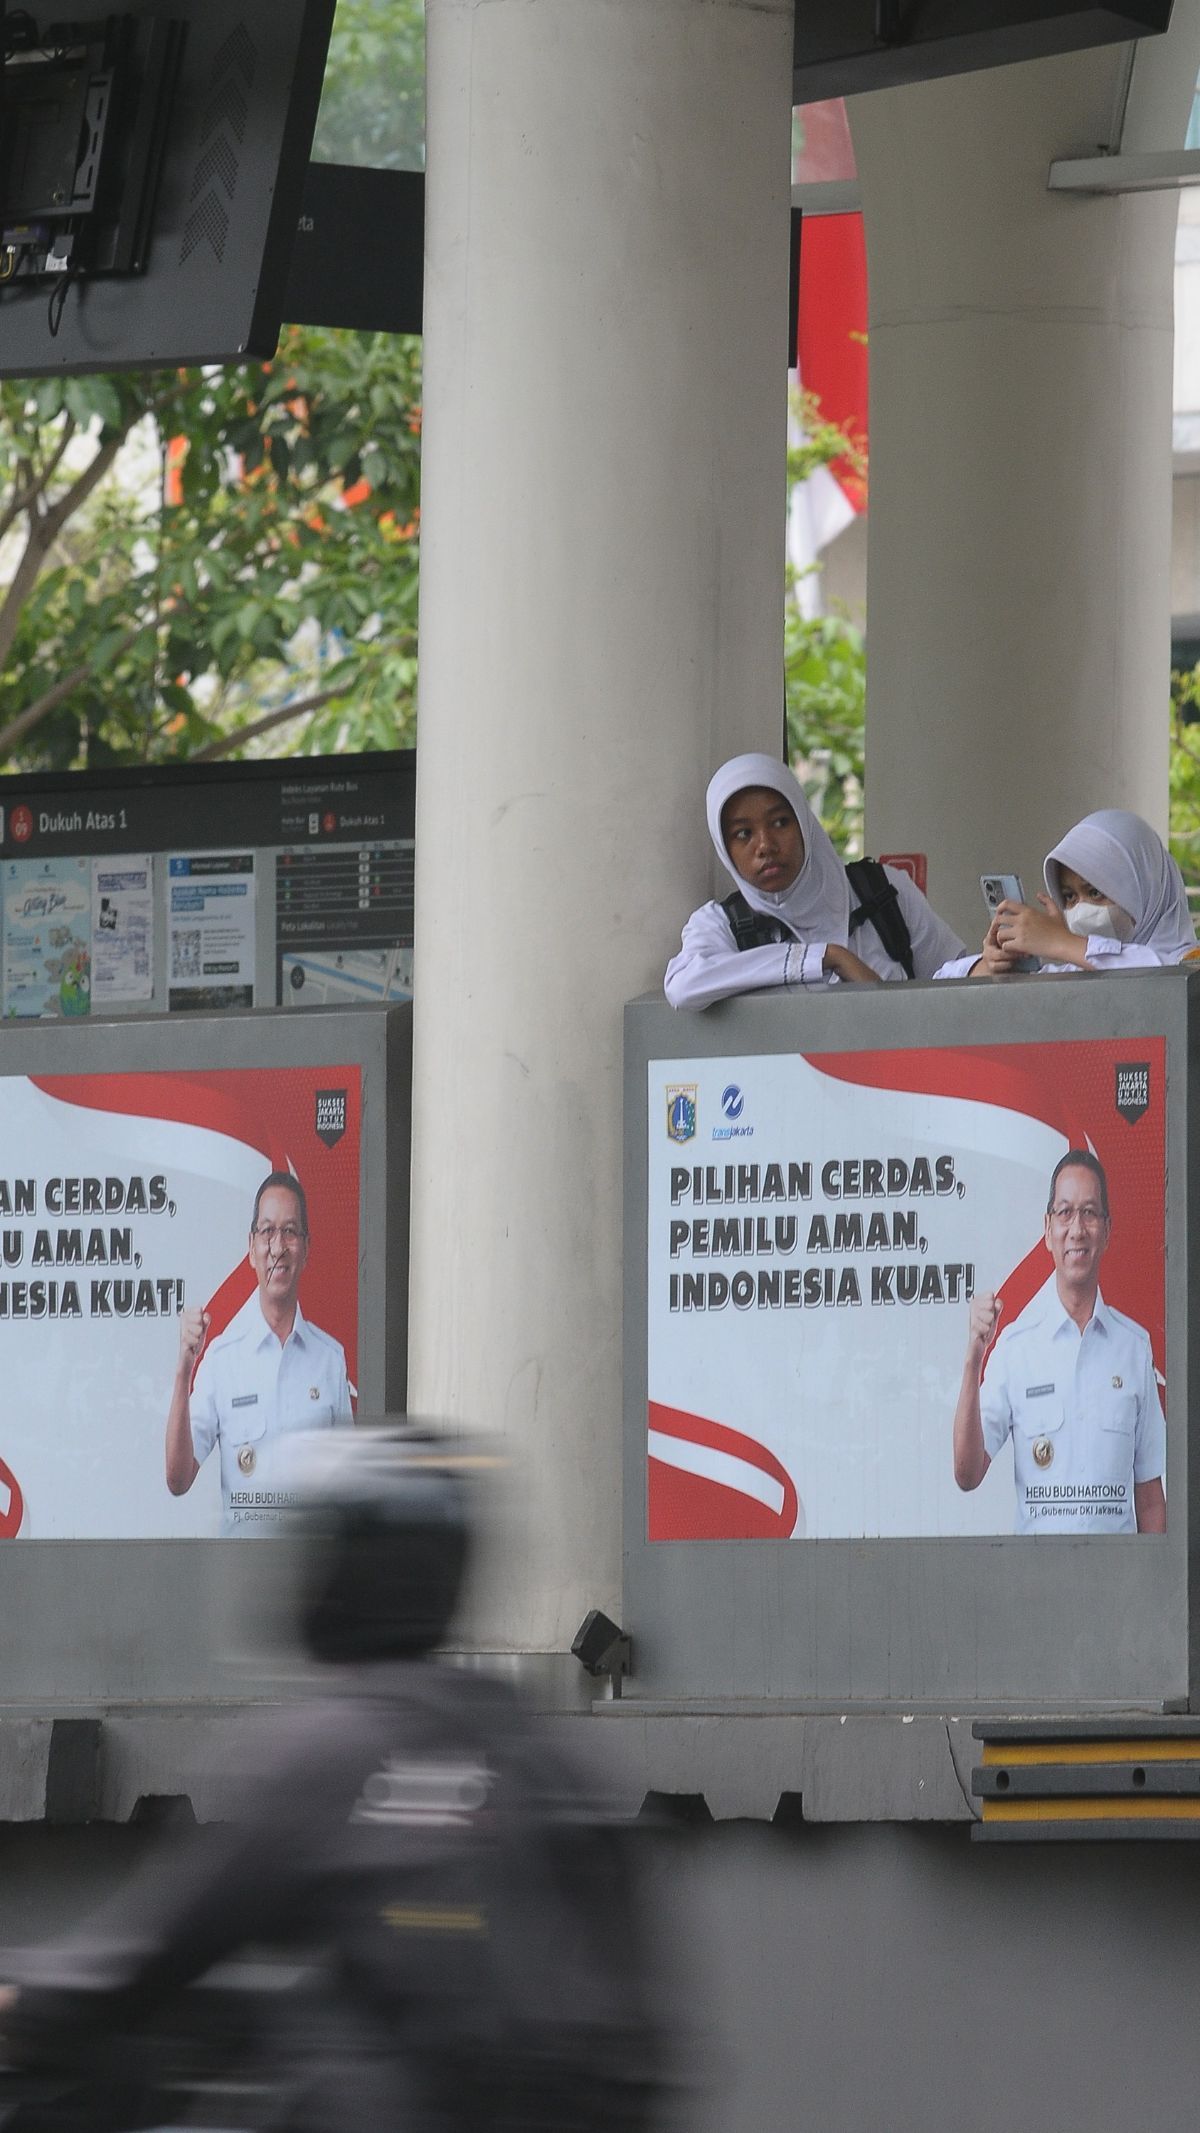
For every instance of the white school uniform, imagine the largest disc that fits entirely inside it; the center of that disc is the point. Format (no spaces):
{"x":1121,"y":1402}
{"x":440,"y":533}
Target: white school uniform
{"x":813,"y":913}
{"x":1124,"y":858}
{"x":1083,"y":1412}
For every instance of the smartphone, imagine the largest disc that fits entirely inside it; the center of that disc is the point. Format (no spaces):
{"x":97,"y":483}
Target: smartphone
{"x":1001,"y":888}
{"x":1006,"y":888}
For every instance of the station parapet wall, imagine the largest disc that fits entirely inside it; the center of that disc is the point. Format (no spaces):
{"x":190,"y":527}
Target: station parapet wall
{"x":816,"y":1187}
{"x":132,"y":1152}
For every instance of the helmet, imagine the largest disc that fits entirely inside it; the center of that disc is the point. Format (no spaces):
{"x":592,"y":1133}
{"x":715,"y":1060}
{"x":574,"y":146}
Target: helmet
{"x":385,"y":1519}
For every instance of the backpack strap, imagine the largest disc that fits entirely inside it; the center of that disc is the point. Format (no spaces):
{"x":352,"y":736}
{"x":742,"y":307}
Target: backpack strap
{"x":875,"y":900}
{"x":749,"y":928}
{"x":878,"y":902}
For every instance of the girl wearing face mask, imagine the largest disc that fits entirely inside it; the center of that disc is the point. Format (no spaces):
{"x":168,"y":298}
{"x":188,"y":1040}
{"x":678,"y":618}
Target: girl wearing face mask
{"x":1116,"y":901}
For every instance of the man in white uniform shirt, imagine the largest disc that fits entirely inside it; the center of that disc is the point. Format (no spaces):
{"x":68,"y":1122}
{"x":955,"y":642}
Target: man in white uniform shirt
{"x":269,"y":1374}
{"x":1071,"y":1381}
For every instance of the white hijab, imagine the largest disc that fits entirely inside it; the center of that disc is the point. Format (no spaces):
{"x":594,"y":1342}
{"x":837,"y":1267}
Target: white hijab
{"x":1121,"y":854}
{"x":817,"y":906}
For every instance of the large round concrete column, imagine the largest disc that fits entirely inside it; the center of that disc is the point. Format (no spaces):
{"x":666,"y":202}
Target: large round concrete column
{"x":1019,"y":533}
{"x":601,"y":620}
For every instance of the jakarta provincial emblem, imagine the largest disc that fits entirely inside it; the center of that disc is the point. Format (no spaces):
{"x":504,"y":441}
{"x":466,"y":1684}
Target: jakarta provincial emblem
{"x":1043,"y":1452}
{"x":681,"y":1111}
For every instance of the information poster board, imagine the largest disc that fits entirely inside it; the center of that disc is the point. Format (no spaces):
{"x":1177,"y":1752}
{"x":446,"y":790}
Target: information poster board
{"x":47,"y":936}
{"x":126,"y":1199}
{"x":819,"y":1231}
{"x":266,"y":884}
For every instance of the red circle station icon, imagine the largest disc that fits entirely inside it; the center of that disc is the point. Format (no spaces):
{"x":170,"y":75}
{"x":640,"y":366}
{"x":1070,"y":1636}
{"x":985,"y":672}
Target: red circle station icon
{"x":329,"y":824}
{"x":21,"y":823}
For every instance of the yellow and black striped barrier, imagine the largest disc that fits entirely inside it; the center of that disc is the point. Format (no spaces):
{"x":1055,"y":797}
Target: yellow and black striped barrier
{"x":1062,"y":1779}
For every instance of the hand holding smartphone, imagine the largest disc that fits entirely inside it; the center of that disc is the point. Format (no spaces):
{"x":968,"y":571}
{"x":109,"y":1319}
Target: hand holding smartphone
{"x":1006,"y":888}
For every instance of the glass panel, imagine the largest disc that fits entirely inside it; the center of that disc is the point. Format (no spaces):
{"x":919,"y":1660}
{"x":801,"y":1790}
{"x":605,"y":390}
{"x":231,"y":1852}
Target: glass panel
{"x":821,"y":144}
{"x":373,"y":105}
{"x":235,"y":571}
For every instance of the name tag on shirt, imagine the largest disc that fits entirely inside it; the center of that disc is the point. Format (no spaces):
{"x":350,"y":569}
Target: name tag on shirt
{"x":246,"y":1399}
{"x":1032,"y":1392}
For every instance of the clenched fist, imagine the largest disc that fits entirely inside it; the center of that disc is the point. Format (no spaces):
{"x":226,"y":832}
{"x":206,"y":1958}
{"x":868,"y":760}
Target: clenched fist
{"x":193,"y":1332}
{"x":984,"y":1313}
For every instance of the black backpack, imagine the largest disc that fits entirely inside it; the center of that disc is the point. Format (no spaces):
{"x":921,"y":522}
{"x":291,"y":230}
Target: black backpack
{"x":875,"y":900}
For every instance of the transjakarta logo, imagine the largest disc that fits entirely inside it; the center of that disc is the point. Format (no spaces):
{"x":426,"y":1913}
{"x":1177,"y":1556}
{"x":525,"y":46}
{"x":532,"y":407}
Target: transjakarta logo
{"x":22,"y":823}
{"x":733,"y":1103}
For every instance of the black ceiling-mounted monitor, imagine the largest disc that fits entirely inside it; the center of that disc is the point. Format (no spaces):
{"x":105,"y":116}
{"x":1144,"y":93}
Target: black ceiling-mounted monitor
{"x":846,"y":47}
{"x":152,"y":165}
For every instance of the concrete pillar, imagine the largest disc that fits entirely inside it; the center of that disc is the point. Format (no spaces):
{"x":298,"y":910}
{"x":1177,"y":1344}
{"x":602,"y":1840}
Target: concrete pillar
{"x":1020,"y":517}
{"x":601,"y":620}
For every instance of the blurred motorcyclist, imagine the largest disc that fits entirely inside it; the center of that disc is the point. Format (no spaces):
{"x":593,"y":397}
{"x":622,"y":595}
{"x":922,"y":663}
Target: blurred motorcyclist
{"x":471,"y":1912}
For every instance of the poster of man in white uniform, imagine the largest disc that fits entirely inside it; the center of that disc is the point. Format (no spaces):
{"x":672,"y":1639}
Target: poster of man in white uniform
{"x":823,"y":1228}
{"x":1071,"y":1381}
{"x":125,"y":1200}
{"x":270,"y":1374}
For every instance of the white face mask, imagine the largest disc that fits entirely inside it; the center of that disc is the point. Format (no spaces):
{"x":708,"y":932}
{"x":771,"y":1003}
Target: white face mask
{"x":1108,"y":919}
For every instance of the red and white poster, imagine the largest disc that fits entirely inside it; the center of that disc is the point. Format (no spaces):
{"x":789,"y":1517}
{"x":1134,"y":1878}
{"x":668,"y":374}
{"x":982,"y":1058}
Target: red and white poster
{"x":127,"y":1202}
{"x":908,"y":1293}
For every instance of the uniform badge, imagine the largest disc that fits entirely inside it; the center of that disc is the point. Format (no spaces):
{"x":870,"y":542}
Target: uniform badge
{"x":1043,"y":1452}
{"x":247,"y":1459}
{"x":681,"y":1111}
{"x":1117,"y":1382}
{"x":314,"y":1392}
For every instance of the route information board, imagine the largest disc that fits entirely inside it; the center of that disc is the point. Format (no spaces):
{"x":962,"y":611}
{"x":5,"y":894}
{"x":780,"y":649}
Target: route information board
{"x":208,"y":886}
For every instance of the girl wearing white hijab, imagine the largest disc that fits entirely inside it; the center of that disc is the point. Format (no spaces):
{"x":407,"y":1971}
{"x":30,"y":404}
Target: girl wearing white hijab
{"x":776,"y":852}
{"x":1116,"y":901}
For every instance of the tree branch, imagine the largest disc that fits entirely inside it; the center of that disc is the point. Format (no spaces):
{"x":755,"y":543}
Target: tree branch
{"x":50,"y":700}
{"x":44,"y":530}
{"x":47,"y":526}
{"x":32,"y":483}
{"x":58,"y":454}
{"x":24,"y":494}
{"x":81,"y":488}
{"x":17,"y":591}
{"x":36,"y":483}
{"x":270,"y":719}
{"x":10,"y":514}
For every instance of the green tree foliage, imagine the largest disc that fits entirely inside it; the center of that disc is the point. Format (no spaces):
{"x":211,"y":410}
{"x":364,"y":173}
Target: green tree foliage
{"x":1185,"y":770}
{"x":373,"y":103}
{"x":191,"y":561}
{"x":824,"y":664}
